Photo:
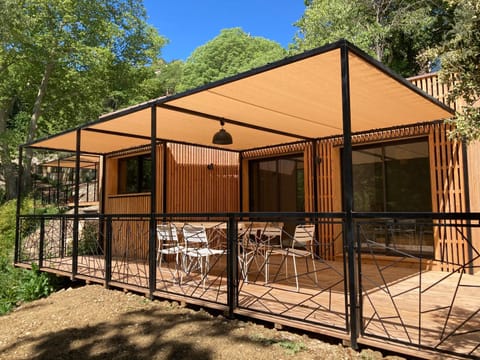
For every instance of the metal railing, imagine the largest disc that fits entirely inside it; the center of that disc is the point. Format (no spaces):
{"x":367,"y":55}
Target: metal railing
{"x":416,"y":283}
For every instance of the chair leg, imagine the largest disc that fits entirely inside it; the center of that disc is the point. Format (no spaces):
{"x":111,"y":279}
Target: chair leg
{"x":296,"y":273}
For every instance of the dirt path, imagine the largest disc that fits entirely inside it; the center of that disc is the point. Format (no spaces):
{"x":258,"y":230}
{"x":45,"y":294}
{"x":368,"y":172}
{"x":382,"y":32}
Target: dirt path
{"x":93,"y":323}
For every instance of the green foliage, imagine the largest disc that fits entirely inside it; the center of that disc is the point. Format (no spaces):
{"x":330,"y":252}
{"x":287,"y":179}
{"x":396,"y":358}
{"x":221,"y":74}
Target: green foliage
{"x":63,"y":63}
{"x":394,"y":31}
{"x":230,"y":53}
{"x":19,"y":285}
{"x":460,"y":66}
{"x":88,"y":242}
{"x":292,"y":347}
{"x":7,"y":228}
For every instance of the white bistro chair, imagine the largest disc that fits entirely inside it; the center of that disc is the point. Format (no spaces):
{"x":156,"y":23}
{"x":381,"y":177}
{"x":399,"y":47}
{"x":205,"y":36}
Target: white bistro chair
{"x":197,"y":251}
{"x":302,"y":247}
{"x":168,"y":245}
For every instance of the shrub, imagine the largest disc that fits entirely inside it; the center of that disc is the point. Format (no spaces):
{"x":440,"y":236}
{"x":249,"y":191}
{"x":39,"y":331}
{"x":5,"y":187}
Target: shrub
{"x":17,"y":285}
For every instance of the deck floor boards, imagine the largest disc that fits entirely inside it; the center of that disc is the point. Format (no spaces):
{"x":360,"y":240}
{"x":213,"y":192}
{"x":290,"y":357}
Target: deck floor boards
{"x":391,"y":302}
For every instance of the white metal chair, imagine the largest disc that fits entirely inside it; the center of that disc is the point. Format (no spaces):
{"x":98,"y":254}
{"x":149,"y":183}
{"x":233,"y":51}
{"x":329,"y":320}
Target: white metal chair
{"x":197,"y":251}
{"x":168,"y":244}
{"x":257,"y":242}
{"x":302,"y":247}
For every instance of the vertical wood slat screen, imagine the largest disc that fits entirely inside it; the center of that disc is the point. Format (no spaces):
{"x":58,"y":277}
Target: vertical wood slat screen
{"x":447,"y":177}
{"x":201,"y":180}
{"x":431,"y":84}
{"x":329,"y":234}
{"x":447,"y":196}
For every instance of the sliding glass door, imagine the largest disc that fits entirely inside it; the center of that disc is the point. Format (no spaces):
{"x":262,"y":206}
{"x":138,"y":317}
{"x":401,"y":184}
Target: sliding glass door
{"x":395,"y":177}
{"x":276,"y":184}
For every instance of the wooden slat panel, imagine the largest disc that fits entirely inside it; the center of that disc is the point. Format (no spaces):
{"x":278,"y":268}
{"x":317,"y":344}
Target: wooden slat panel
{"x":431,"y":84}
{"x":274,"y":151}
{"x":192,"y":186}
{"x":446,"y":160}
{"x":160,"y":177}
{"x":128,"y":236}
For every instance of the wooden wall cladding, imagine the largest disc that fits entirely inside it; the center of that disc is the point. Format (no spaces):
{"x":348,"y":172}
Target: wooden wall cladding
{"x":130,"y":236}
{"x":329,"y":198}
{"x":448,"y":183}
{"x":446,"y":159}
{"x":201,"y":180}
{"x":431,"y":84}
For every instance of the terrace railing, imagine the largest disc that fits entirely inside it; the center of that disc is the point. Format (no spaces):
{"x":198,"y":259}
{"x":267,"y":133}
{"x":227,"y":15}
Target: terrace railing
{"x":407,"y":290}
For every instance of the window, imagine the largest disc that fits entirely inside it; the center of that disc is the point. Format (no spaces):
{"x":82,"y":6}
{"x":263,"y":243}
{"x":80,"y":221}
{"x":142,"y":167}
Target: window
{"x":393,"y":177}
{"x":135,"y":174}
{"x":276,"y":184}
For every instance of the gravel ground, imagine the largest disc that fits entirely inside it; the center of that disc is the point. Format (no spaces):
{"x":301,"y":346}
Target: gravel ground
{"x":90,"y":322}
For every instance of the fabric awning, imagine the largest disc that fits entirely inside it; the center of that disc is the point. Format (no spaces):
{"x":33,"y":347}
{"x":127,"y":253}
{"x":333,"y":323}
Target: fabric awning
{"x":298,"y":98}
{"x":85,"y":162}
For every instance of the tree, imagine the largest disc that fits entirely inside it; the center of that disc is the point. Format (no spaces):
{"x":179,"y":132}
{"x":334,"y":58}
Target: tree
{"x":393,"y":31}
{"x":230,"y":53}
{"x":459,"y":56}
{"x":61,"y":60}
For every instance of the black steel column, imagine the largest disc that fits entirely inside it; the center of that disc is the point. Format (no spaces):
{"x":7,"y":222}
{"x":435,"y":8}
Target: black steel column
{"x":466,"y":187}
{"x":232,"y":265}
{"x":240,"y":180}
{"x":164,"y":177}
{"x":19,"y":205}
{"x":58,"y":182}
{"x":315,"y":177}
{"x":76,"y":204}
{"x":101,"y":218}
{"x":153,"y":205}
{"x":41,"y":242}
{"x":108,"y":251}
{"x":347,"y":186}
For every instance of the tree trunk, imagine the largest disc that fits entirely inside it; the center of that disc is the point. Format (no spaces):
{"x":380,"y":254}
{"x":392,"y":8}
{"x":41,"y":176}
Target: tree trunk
{"x":7,"y":168}
{"x":32,"y":129}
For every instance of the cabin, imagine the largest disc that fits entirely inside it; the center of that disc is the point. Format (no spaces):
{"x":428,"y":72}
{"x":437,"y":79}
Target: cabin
{"x":320,"y":192}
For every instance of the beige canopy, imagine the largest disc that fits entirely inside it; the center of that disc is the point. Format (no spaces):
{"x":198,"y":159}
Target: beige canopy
{"x":86,"y":162}
{"x":299,"y":98}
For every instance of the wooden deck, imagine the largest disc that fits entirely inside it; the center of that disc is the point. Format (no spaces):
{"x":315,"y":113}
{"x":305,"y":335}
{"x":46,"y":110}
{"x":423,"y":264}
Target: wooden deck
{"x":403,"y":310}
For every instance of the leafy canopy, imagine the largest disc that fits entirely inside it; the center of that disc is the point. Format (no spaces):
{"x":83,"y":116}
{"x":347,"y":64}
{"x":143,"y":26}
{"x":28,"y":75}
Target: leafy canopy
{"x":393,"y":31}
{"x":460,"y":67}
{"x":230,"y":53}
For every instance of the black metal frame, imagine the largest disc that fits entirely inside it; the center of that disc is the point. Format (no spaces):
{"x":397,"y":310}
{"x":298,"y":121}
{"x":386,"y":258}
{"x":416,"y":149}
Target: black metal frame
{"x":348,"y":217}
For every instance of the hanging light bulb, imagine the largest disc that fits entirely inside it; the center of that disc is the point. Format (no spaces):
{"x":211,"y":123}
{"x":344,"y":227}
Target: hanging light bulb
{"x":222,"y":137}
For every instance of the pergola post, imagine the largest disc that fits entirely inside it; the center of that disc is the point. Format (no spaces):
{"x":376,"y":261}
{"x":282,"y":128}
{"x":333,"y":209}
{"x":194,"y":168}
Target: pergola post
{"x":153,"y":204}
{"x":315,"y":177}
{"x":19,"y":205}
{"x":76,"y":203}
{"x":347,"y":188}
{"x":164,"y":178}
{"x":466,"y":187}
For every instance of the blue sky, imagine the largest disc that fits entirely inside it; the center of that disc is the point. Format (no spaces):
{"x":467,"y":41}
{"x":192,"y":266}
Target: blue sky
{"x":188,"y":24}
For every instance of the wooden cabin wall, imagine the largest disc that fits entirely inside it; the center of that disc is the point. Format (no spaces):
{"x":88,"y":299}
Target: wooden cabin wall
{"x":329,"y":198}
{"x":130,"y":237}
{"x":446,"y":158}
{"x":447,"y":184}
{"x":201,"y":180}
{"x":431,"y":84}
